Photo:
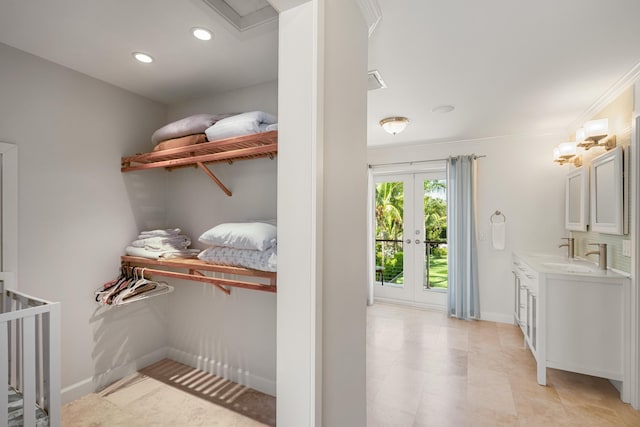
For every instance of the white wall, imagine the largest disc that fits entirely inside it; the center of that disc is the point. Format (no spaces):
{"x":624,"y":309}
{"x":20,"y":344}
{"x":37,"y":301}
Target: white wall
{"x":77,"y":211}
{"x":322,"y":172}
{"x":517,"y":178}
{"x":344,"y":212}
{"x":299,"y":332}
{"x":231,"y":335}
{"x":258,"y":97}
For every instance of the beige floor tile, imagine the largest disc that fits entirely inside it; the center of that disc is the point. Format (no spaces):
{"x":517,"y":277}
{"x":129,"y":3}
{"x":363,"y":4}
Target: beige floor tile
{"x":94,"y":411}
{"x":171,"y":394}
{"x":498,"y":386}
{"x":382,"y":415}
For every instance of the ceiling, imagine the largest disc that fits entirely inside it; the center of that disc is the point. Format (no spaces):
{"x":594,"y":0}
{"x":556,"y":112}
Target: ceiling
{"x":508,"y":67}
{"x":97,"y":37}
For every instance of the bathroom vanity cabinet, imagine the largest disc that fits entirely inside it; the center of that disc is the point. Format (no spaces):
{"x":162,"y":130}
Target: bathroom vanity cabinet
{"x":573,"y":316}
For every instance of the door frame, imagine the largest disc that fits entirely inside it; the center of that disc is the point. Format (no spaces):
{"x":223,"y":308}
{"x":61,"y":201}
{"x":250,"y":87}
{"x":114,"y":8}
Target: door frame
{"x":9,"y":209}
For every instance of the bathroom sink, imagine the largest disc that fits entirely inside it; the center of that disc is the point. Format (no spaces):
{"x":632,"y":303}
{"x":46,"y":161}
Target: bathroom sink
{"x":568,"y":267}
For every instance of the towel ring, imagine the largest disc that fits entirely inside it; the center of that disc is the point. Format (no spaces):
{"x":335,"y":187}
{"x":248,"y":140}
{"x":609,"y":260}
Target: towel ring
{"x":498,"y":214}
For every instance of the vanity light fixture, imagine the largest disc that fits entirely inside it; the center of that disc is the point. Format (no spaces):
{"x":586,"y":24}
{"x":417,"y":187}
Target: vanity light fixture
{"x":143,"y":57}
{"x":201,"y":33}
{"x":394,"y":125}
{"x":567,"y":153}
{"x":596,"y":134}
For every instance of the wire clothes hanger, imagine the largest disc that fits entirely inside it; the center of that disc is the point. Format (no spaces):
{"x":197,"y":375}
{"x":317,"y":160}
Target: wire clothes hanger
{"x":129,"y":287}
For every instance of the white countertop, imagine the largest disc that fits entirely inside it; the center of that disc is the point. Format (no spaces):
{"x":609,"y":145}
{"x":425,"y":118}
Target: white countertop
{"x":554,"y":264}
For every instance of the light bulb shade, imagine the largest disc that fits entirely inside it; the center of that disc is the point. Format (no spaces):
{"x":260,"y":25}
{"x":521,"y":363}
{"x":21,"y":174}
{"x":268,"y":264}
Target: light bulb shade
{"x":394,"y":125}
{"x":580,"y":135}
{"x":556,"y":154}
{"x":567,"y":150}
{"x":596,"y":129}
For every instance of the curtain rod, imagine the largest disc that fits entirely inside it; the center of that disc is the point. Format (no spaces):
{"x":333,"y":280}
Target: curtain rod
{"x":420,"y":161}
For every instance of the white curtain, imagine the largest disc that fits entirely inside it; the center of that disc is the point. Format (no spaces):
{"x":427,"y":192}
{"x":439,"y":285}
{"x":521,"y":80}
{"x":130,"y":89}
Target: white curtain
{"x":371,"y":263}
{"x":463,"y":301}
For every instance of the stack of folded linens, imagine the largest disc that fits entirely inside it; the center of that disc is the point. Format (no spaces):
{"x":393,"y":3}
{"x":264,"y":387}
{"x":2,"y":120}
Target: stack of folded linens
{"x":162,"y":244}
{"x":241,"y":244}
{"x":184,"y":132}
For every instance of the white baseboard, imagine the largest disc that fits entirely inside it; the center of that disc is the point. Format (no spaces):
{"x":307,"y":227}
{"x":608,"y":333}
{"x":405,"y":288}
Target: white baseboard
{"x":231,"y":373}
{"x":101,"y":380}
{"x":410,"y":304}
{"x":490,"y":317}
{"x":497,"y":317}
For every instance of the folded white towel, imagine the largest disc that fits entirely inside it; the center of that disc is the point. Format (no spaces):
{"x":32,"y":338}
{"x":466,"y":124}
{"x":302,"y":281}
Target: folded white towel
{"x":157,"y":243}
{"x":160,"y":233}
{"x":175,"y":253}
{"x":498,"y":234}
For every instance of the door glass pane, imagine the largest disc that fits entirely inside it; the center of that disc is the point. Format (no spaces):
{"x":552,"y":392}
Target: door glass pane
{"x":389,"y":232}
{"x":435,"y":271}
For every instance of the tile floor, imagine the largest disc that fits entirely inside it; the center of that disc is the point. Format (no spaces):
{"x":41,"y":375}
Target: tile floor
{"x":171,"y":394}
{"x":425,"y":369}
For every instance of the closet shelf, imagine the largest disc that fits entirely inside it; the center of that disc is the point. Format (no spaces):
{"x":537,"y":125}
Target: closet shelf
{"x":257,"y":145}
{"x":195,"y":269}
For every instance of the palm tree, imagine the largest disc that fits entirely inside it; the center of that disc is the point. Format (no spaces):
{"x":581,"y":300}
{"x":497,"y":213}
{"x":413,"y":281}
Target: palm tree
{"x":389,"y":209}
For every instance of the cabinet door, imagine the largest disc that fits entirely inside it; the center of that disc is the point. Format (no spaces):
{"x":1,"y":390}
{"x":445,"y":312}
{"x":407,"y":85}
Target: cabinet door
{"x":516,"y":307}
{"x":534,"y":322}
{"x":528,"y":313}
{"x":522,"y":309}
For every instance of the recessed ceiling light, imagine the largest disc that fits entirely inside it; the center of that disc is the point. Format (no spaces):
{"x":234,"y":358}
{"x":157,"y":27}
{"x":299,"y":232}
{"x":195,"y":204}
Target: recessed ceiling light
{"x":201,"y":33}
{"x":443,"y":109}
{"x":143,"y":57}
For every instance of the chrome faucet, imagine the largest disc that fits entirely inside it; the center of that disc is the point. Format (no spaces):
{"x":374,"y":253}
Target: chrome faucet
{"x":602,"y":254}
{"x":570,"y":246}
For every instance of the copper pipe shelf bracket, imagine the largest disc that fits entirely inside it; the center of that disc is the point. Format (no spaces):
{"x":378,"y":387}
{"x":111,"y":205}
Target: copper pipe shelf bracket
{"x":214,"y":178}
{"x":195,"y":269}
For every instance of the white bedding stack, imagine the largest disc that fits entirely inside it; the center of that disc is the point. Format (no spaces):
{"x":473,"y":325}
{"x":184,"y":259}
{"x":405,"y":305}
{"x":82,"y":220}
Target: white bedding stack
{"x":162,"y":243}
{"x":244,"y":244}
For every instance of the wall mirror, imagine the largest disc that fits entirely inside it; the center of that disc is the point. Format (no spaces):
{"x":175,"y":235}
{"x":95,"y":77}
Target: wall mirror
{"x":606,"y":193}
{"x":576,"y":212}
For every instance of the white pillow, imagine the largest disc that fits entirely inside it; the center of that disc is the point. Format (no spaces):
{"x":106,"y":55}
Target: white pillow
{"x":241,"y":235}
{"x":240,"y":124}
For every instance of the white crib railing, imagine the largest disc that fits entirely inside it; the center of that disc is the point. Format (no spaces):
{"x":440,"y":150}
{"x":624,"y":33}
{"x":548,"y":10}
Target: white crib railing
{"x":30,"y":349}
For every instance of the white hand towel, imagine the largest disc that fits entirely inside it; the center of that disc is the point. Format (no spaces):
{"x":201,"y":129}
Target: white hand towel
{"x":498,"y":232}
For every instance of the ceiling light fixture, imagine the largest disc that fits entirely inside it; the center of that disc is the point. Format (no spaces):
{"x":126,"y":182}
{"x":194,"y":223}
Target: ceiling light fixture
{"x":394,"y":125}
{"x":201,"y":33}
{"x":143,"y":57}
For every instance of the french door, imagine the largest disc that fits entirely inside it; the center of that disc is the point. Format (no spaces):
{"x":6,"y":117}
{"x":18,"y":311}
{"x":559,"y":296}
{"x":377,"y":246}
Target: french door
{"x":411,"y":245}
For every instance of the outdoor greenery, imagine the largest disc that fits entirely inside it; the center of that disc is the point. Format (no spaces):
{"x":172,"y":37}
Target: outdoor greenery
{"x":389,"y":213}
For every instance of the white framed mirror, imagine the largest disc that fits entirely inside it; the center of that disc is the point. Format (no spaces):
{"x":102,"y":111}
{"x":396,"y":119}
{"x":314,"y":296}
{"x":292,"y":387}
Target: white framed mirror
{"x":576,"y":212}
{"x":606,"y":193}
